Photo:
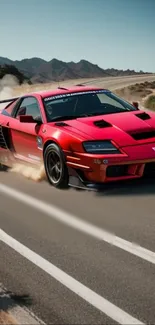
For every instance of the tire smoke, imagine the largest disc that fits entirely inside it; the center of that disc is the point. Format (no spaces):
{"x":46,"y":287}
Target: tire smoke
{"x":32,"y":173}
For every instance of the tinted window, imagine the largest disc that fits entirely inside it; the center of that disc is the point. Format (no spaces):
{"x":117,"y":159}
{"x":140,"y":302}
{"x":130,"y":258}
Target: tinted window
{"x":29,"y":106}
{"x":89,"y":103}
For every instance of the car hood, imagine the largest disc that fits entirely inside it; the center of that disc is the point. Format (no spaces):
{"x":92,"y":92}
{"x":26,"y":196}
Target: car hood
{"x":123,"y":128}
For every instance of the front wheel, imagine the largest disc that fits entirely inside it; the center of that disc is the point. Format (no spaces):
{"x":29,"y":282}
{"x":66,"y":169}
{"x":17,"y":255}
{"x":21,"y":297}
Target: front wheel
{"x":55,"y":166}
{"x":3,"y":168}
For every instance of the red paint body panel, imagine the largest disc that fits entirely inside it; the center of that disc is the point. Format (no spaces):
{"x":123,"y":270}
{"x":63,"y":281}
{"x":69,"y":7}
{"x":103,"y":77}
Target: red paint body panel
{"x":133,"y":153}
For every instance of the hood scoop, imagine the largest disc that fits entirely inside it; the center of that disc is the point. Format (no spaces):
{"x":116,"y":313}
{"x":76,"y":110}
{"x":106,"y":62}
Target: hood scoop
{"x":143,"y":116}
{"x":102,"y":124}
{"x":143,"y":135}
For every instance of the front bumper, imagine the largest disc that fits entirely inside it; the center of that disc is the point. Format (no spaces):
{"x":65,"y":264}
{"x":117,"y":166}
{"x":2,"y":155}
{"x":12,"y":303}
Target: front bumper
{"x":99,"y":169}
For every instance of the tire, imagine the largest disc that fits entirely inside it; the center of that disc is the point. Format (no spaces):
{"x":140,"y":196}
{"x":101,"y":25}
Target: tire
{"x":55,"y":166}
{"x":3,"y":168}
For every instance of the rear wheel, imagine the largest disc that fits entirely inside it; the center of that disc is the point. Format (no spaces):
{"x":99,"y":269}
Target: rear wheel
{"x":55,"y":166}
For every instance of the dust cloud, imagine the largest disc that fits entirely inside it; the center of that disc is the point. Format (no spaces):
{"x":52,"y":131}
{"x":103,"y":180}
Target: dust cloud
{"x":7,"y":85}
{"x":128,"y":95}
{"x":32,"y":173}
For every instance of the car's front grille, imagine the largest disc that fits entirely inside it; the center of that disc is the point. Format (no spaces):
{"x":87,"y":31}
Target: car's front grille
{"x":149,"y":170}
{"x":117,"y":171}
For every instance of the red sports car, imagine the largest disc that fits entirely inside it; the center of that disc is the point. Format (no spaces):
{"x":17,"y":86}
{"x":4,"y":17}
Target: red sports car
{"x":83,"y":136}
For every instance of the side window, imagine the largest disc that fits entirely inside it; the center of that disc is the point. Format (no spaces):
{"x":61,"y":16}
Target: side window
{"x":8,"y":110}
{"x":29,"y":106}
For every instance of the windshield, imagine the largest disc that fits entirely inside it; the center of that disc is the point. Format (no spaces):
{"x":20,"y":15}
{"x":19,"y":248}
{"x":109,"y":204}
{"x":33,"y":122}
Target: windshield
{"x":81,"y":104}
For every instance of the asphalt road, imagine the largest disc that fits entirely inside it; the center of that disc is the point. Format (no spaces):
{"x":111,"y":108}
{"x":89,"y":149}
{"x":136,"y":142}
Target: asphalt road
{"x":120,"y":82}
{"x":120,"y":276}
{"x":92,"y":237}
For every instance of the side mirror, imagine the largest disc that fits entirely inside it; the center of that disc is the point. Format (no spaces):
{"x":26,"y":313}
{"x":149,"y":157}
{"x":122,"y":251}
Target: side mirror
{"x":30,"y":119}
{"x":135,"y":104}
{"x":26,"y":119}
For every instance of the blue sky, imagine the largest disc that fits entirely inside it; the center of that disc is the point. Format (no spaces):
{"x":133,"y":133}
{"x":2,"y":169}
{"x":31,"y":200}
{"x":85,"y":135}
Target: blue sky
{"x":112,"y":33}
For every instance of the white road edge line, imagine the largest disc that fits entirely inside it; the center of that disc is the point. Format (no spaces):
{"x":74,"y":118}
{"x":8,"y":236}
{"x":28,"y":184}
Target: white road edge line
{"x":81,"y":225}
{"x":75,"y":286}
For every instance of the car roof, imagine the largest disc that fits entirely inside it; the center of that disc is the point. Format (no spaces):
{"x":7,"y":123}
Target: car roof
{"x":63,"y":90}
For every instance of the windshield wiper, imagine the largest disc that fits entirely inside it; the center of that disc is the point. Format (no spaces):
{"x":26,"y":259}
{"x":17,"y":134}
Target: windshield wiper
{"x":95,"y":113}
{"x":73,"y":117}
{"x":67,"y":117}
{"x":63,"y":118}
{"x":106,"y":112}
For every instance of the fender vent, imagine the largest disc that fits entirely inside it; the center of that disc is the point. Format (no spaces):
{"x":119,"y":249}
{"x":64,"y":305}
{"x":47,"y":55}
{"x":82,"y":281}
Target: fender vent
{"x":102,"y":124}
{"x":61,"y":124}
{"x":2,"y":139}
{"x":143,"y":116}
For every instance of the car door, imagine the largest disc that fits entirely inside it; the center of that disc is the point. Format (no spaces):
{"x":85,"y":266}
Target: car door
{"x":25,"y":135}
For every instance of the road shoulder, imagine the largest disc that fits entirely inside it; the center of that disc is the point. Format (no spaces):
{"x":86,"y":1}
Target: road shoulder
{"x":11,"y":313}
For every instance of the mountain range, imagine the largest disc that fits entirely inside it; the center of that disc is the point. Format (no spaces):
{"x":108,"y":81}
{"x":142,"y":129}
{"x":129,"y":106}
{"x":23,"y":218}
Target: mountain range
{"x":38,"y":70}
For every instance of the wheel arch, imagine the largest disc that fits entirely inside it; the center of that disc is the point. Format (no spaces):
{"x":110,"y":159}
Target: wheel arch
{"x":49,"y":142}
{"x":52,"y":141}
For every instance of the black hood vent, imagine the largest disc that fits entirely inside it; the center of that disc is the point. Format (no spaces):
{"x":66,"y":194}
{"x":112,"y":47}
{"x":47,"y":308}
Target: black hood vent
{"x":143,"y":135}
{"x":102,"y":124}
{"x":143,"y":116}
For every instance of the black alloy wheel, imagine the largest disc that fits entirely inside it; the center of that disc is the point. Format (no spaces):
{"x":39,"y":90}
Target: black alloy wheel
{"x":55,"y":166}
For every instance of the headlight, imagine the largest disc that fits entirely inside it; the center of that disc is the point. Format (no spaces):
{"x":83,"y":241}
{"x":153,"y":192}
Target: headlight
{"x":100,"y":147}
